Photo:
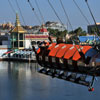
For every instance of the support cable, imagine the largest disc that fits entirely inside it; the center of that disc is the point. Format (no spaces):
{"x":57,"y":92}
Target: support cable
{"x":81,"y":12}
{"x":68,"y":20}
{"x":11,"y":7}
{"x":93,"y":19}
{"x":55,"y":13}
{"x":36,"y":17}
{"x":22,"y":15}
{"x":61,"y":21}
{"x":34,"y":11}
{"x":20,"y":12}
{"x":23,"y":19}
{"x":70,"y":26}
{"x":66,"y":15}
{"x":42,"y":17}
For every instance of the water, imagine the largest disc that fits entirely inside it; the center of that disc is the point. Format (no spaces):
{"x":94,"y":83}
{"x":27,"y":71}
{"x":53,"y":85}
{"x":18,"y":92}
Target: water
{"x":21,"y":81}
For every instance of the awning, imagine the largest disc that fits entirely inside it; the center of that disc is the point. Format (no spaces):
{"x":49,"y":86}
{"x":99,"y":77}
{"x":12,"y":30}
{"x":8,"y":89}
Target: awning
{"x":63,"y":49}
{"x":54,"y":51}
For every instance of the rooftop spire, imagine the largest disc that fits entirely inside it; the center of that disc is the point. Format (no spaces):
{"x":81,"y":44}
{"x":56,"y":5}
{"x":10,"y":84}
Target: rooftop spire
{"x":18,"y":28}
{"x":17,"y":20}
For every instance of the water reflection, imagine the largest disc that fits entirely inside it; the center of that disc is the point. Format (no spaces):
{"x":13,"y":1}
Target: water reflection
{"x":21,"y":81}
{"x":16,"y":79}
{"x":18,"y":70}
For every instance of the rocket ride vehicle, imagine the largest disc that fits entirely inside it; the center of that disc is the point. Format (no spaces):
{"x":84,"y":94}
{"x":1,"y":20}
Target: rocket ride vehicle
{"x":76,"y":63}
{"x":71,"y":62}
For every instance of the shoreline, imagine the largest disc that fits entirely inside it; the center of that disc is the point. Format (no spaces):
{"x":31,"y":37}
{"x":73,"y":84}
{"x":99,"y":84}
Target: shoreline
{"x":18,"y":59}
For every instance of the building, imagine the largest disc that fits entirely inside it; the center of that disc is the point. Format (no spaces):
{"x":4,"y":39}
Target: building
{"x":4,"y":43}
{"x":92,"y":28}
{"x":34,"y":39}
{"x":18,"y":35}
{"x":55,"y":25}
{"x":21,"y":39}
{"x":7,"y":26}
{"x":18,"y":38}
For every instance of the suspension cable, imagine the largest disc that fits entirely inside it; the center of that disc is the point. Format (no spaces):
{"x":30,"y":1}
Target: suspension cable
{"x":11,"y":7}
{"x":38,"y":19}
{"x":66,"y":14}
{"x":23,"y":19}
{"x":81,"y":12}
{"x":20,"y":12}
{"x":34,"y":11}
{"x":60,"y":20}
{"x":68,"y":20}
{"x":42,"y":17}
{"x":93,"y":19}
{"x":56,"y":13}
{"x":22,"y":16}
{"x":70,"y":25}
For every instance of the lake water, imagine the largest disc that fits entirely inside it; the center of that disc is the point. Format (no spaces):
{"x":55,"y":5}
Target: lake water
{"x":21,"y":81}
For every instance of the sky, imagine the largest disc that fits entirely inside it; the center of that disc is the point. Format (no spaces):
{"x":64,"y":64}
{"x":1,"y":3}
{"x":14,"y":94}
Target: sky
{"x":76,"y":19}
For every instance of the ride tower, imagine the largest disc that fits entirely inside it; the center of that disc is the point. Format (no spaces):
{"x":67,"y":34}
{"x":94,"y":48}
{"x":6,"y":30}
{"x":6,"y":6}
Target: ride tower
{"x":18,"y":35}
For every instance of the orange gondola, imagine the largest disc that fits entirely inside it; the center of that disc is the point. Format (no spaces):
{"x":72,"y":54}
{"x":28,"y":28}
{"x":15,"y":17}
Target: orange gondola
{"x":69,"y":58}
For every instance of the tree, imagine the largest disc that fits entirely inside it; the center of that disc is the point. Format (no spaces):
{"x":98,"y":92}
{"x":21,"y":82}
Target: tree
{"x":57,"y":33}
{"x":78,"y":32}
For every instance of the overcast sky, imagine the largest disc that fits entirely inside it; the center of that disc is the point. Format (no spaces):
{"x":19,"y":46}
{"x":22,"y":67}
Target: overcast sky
{"x":7,"y":14}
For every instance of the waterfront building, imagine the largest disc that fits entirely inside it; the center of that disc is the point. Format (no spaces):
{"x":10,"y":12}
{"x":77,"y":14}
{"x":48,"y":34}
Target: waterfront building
{"x":20,"y":39}
{"x":34,"y":39}
{"x":18,"y":35}
{"x":92,"y":28}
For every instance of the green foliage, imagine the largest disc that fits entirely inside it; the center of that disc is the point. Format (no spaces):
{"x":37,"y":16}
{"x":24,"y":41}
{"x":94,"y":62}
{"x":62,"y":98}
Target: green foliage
{"x":57,"y":33}
{"x":78,"y":32}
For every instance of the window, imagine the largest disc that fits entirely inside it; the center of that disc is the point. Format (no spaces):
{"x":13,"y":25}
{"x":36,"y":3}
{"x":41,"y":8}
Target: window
{"x":21,"y":36}
{"x":11,"y":44}
{"x":0,"y":42}
{"x":33,"y":43}
{"x":15,"y":37}
{"x":21,"y":44}
{"x":16,"y":44}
